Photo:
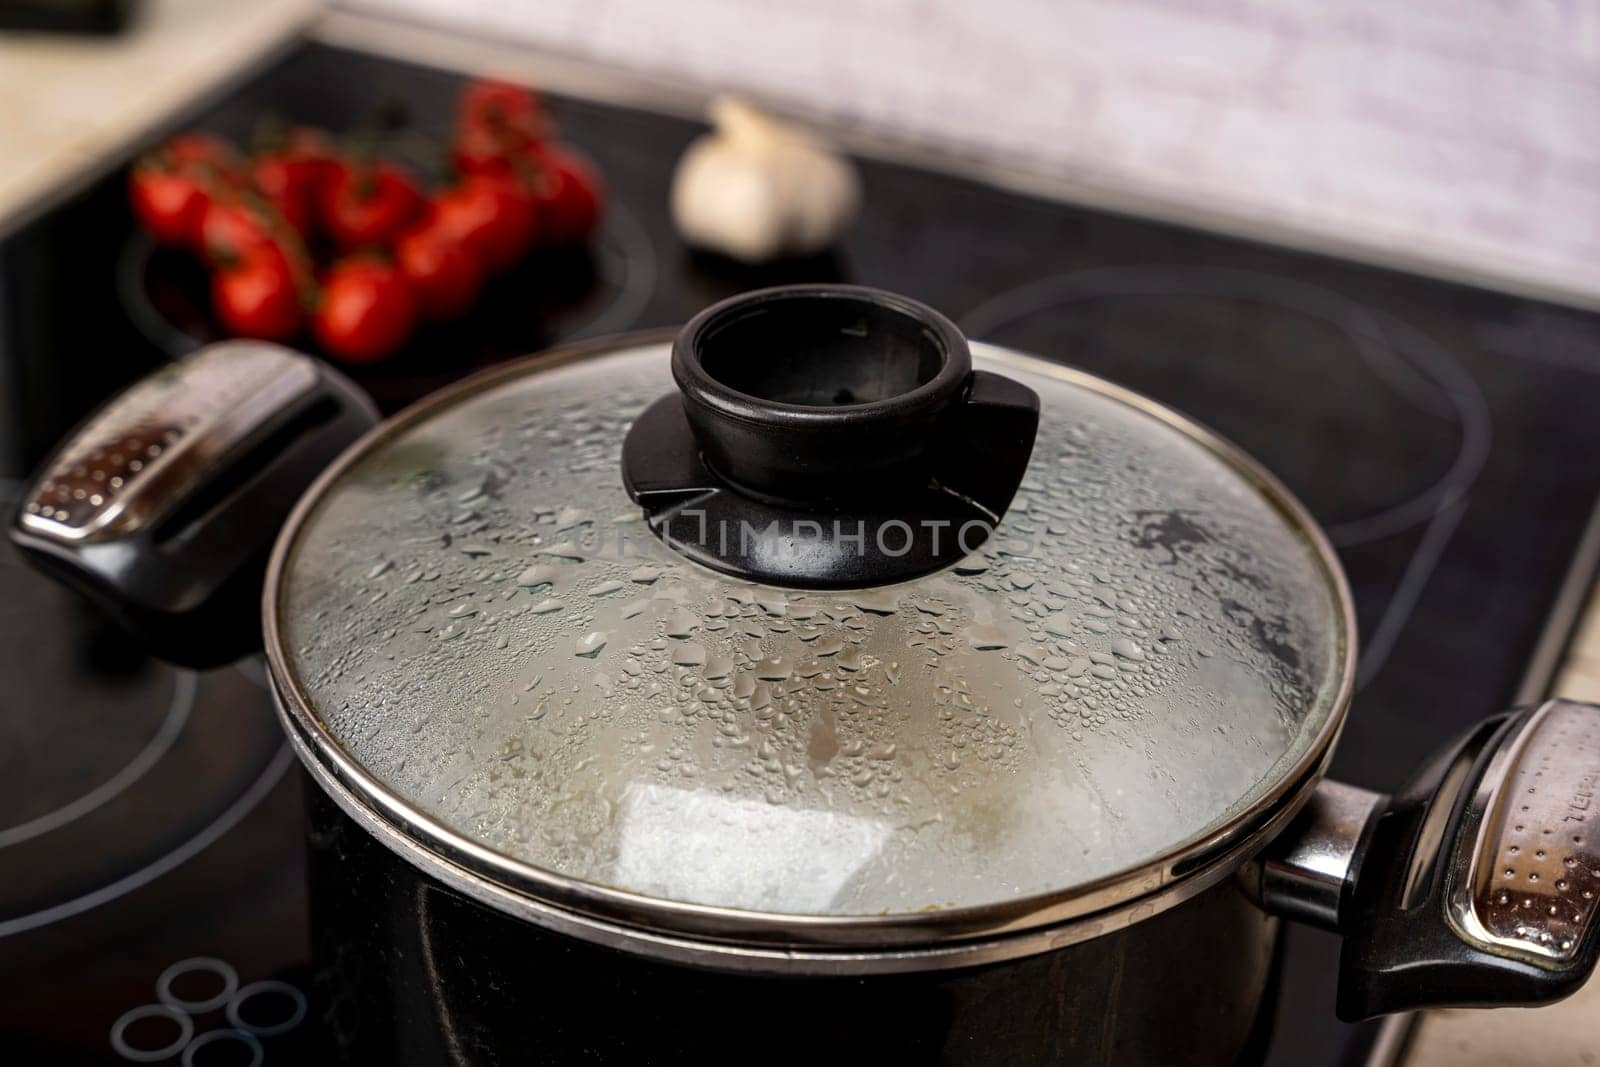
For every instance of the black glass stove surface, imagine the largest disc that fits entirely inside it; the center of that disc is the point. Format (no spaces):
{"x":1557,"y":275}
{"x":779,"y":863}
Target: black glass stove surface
{"x":150,"y":819}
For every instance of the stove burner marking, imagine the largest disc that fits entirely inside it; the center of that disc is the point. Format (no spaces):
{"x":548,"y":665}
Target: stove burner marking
{"x":178,"y":709}
{"x":1431,"y":379}
{"x":182,"y":1012}
{"x":242,"y":806}
{"x":638,"y":265}
{"x":253,"y":669}
{"x":269,"y":985}
{"x":194,"y":964}
{"x":258,"y":1055}
{"x":1435,"y":538}
{"x":1440,"y":506}
{"x":119,"y":1033}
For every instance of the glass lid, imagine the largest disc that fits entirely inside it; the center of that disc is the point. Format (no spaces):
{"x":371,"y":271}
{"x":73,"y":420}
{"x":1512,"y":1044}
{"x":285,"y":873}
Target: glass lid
{"x":480,"y":618}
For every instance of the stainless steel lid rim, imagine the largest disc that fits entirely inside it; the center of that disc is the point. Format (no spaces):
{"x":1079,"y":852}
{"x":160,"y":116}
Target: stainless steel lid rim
{"x":435,"y":849}
{"x":1082,"y":904}
{"x":788,"y":955}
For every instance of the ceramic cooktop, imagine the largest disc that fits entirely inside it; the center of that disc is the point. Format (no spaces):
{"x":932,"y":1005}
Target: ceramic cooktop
{"x":150,"y":819}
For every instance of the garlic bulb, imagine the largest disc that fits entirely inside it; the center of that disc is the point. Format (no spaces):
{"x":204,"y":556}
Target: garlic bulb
{"x":757,"y":189}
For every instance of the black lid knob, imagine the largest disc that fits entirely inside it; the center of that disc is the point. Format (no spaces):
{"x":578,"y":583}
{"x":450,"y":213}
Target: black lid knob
{"x":828,"y":436}
{"x":814,"y":395}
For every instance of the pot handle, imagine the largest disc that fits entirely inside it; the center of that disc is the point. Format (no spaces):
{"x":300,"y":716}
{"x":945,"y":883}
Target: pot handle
{"x":163,"y":505}
{"x":1478,"y":884}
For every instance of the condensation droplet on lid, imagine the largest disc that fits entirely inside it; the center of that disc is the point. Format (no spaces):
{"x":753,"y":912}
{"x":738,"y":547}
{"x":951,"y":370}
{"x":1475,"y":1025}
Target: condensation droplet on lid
{"x":681,"y":623}
{"x":986,"y":638}
{"x":855,"y":659}
{"x":775,"y":669}
{"x":877,"y":601}
{"x":591,"y":643}
{"x":536,"y":575}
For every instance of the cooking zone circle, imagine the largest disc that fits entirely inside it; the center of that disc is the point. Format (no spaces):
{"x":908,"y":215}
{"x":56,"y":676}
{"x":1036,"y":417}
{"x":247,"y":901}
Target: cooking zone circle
{"x":1261,"y":338}
{"x":122,"y":781}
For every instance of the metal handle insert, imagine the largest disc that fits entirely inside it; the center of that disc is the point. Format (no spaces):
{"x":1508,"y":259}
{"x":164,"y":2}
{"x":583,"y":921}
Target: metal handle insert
{"x":1527,"y":865}
{"x":1309,"y":874}
{"x":144,"y":450}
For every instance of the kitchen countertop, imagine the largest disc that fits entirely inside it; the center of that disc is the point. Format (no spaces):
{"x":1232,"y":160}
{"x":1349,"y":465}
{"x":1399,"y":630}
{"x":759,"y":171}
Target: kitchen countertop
{"x":75,"y":105}
{"x":108,"y":94}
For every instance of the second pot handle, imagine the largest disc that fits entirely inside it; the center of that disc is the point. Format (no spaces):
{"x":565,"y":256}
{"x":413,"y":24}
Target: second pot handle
{"x":1478,"y":884}
{"x":162,"y":506}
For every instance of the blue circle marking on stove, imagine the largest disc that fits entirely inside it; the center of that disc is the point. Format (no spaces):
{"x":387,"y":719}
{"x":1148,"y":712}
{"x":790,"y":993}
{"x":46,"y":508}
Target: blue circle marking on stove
{"x":181,"y":1012}
{"x":197,"y":965}
{"x":267,"y":987}
{"x":119,"y":1033}
{"x":258,"y":1055}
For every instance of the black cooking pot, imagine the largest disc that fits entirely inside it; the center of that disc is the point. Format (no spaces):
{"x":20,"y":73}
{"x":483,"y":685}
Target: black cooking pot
{"x":865,"y":695}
